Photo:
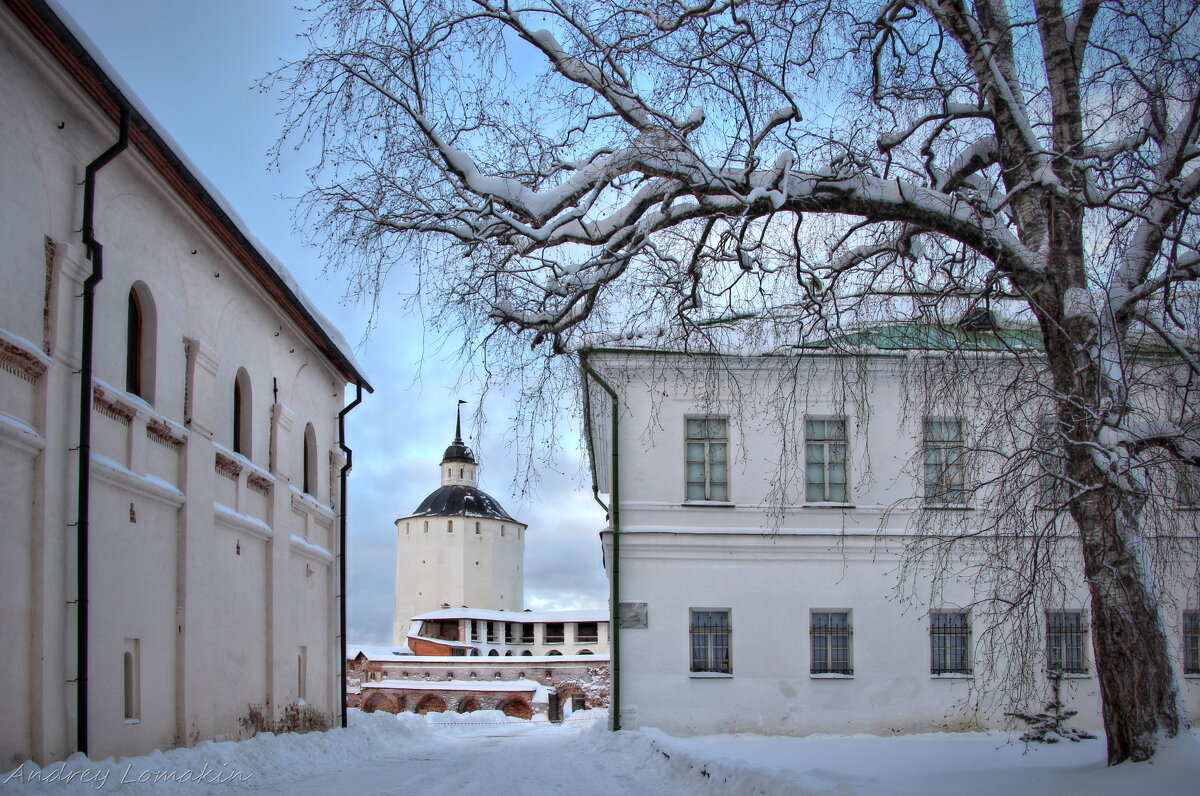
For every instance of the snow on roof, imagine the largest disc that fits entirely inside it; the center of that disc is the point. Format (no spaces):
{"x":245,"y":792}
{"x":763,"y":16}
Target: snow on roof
{"x":458,"y":644}
{"x":582,"y":615}
{"x":480,"y":661}
{"x":377,"y":653}
{"x":208,"y":192}
{"x":457,"y":685}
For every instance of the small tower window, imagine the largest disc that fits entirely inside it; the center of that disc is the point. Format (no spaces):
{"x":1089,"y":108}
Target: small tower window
{"x":426,"y":526}
{"x":140,"y":336}
{"x":476,"y":529}
{"x":501,"y":530}
{"x":460,"y":472}
{"x":450,"y":526}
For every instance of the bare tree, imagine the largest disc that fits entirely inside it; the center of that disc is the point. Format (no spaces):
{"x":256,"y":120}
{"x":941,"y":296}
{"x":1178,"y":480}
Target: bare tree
{"x":570,"y":170}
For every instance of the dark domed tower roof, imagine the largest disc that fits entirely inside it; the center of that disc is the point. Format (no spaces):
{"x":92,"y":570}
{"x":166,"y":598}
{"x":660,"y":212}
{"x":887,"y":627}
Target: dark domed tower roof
{"x":462,"y":501}
{"x":458,"y":452}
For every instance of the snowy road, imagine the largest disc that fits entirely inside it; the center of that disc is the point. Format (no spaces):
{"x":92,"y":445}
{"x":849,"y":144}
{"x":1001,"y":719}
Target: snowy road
{"x":507,"y":761}
{"x":487,"y":754}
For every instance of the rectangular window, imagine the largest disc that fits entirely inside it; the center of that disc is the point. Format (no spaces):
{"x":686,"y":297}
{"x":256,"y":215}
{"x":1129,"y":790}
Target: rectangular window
{"x":825,"y":460}
{"x":708,"y":459}
{"x":945,"y":465}
{"x":1191,"y":642}
{"x":949,"y":637}
{"x":554,"y":632}
{"x":1066,"y":635}
{"x":587,"y":632}
{"x":302,"y":675}
{"x":829,"y":635}
{"x":1189,"y":487}
{"x":510,"y":632}
{"x":710,"y":635}
{"x":493,"y":632}
{"x":526,"y":633}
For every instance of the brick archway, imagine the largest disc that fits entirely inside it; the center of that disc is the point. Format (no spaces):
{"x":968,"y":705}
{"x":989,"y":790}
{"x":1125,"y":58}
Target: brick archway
{"x":380,"y":702}
{"x":516,"y":707}
{"x":430,"y":703}
{"x":468,"y":704}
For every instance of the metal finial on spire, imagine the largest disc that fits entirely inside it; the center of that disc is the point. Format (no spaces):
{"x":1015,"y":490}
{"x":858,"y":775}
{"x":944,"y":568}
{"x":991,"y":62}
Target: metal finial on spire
{"x":458,"y":423}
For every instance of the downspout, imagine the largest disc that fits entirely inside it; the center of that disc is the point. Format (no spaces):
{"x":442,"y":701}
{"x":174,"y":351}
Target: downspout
{"x":95,"y":253}
{"x":614,"y":514}
{"x":342,"y":475}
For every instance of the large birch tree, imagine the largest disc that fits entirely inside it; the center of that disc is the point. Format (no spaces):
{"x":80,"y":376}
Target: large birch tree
{"x":563,"y":170}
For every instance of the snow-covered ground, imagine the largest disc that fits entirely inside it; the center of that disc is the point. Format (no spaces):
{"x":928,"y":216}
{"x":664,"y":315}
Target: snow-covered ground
{"x":487,"y":753}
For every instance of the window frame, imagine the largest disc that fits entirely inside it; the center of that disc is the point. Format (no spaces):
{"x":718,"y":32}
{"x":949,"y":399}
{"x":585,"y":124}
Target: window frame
{"x":828,"y":633}
{"x":1189,"y":630}
{"x":944,"y":488}
{"x":709,"y":664}
{"x":826,"y":443}
{"x":1058,"y":637}
{"x":706,"y":442}
{"x":941,"y":644}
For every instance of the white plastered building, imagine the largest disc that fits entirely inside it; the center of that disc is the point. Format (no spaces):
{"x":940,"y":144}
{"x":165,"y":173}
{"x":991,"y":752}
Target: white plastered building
{"x":185,"y":587}
{"x":759,"y":514}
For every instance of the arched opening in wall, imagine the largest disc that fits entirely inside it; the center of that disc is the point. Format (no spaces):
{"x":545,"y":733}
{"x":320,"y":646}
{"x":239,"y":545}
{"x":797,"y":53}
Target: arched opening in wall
{"x":431,"y":703}
{"x":516,"y":707}
{"x":474,"y":652}
{"x":493,"y":654}
{"x":242,"y":413}
{"x":527,"y":652}
{"x":554,"y":652}
{"x":310,"y":460}
{"x":468,"y":705}
{"x":570,"y":699}
{"x":380,"y":702}
{"x":508,"y":654}
{"x":140,"y":336}
{"x":586,"y":652}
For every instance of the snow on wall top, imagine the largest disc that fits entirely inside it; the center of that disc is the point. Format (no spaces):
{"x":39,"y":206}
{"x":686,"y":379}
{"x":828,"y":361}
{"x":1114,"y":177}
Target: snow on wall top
{"x":582,"y":615}
{"x":209,"y":194}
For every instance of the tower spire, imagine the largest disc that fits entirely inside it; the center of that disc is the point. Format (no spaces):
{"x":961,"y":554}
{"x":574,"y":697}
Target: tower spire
{"x":458,"y":423}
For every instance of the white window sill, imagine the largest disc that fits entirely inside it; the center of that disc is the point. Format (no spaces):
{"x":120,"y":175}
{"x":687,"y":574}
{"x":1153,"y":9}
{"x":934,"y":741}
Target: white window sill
{"x":1192,"y":676}
{"x":946,"y":507}
{"x":709,"y":504}
{"x":830,"y":676}
{"x":133,"y":721}
{"x":952,"y":676}
{"x":827,"y":505}
{"x":711,"y":675}
{"x":1076,"y":675}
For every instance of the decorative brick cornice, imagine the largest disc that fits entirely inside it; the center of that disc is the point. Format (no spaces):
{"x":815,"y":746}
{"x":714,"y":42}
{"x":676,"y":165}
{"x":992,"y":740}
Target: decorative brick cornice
{"x":112,"y":406}
{"x":260,"y":483}
{"x":228,"y":466}
{"x":160,"y":431}
{"x":20,"y":362}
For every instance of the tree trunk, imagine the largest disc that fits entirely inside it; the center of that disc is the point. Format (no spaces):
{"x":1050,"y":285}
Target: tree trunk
{"x":1137,"y":682}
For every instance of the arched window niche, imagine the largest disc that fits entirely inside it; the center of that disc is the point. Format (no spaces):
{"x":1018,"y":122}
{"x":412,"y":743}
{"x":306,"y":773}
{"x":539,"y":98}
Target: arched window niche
{"x":243,"y":431}
{"x":310,"y":460}
{"x":140,"y":336}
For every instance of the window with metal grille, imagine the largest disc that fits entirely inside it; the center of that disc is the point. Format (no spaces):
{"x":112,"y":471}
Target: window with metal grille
{"x":1066,"y":635}
{"x":949,"y":637}
{"x":711,"y":631}
{"x":945,"y":463}
{"x":829,"y":636}
{"x":1189,"y":487}
{"x":1191,"y":642}
{"x":825,"y":460}
{"x":707,"y":458}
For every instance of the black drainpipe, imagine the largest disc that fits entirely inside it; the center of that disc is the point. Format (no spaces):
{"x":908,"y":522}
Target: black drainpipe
{"x":345,"y":471}
{"x":614,"y":626}
{"x":95,"y":253}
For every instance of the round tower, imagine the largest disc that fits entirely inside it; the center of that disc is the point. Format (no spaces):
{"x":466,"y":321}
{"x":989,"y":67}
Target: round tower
{"x":460,"y":547}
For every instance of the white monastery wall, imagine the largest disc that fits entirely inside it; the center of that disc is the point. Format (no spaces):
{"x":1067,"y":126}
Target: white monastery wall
{"x":215,"y":568}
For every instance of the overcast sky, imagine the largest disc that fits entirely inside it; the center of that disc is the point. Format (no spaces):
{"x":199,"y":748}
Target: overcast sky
{"x":193,"y":65}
